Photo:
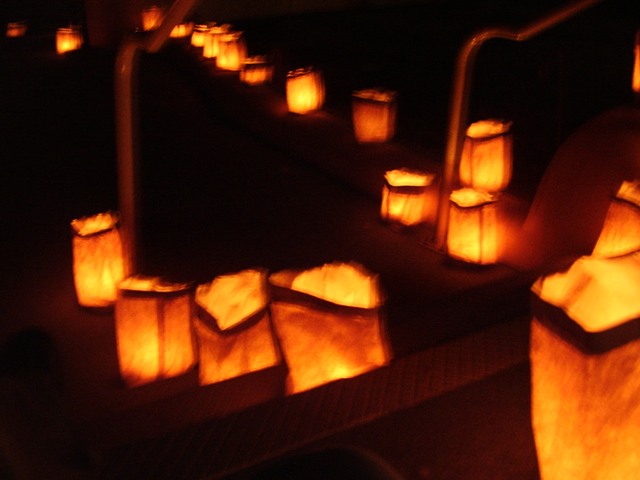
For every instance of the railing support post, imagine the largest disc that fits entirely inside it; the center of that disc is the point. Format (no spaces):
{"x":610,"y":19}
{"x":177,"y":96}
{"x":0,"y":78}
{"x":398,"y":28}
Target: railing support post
{"x":125,"y":84}
{"x":126,"y":106}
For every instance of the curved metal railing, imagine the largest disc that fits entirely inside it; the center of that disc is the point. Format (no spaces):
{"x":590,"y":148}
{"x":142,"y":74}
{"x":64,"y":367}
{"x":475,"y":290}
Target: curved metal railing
{"x":459,"y":102}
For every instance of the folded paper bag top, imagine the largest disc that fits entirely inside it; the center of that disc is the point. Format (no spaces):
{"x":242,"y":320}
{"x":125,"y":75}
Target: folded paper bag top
{"x":233,"y":329}
{"x":347,"y":284}
{"x":597,"y":293}
{"x":231,"y":299}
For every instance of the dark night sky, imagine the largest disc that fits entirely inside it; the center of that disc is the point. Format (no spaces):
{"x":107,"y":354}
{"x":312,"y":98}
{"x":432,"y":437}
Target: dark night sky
{"x":47,"y":12}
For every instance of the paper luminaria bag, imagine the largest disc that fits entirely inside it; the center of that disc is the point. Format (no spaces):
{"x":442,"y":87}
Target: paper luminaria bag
{"x":182,"y":30}
{"x":16,"y":29}
{"x":97,"y":259}
{"x":408,"y":197}
{"x":373,"y":113}
{"x":474,"y":234}
{"x":329,"y":323}
{"x":305,"y":90}
{"x":152,"y":17}
{"x":154,"y":332}
{"x":234,"y":331}
{"x":198,"y":34}
{"x":585,"y":373}
{"x":487,"y":156}
{"x":69,"y":39}
{"x":256,"y":70}
{"x":211,"y":40}
{"x":232,"y":51}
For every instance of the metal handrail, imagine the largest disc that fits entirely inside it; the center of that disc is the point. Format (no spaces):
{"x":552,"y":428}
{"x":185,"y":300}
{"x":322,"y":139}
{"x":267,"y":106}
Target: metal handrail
{"x":126,"y":76}
{"x":459,"y":102}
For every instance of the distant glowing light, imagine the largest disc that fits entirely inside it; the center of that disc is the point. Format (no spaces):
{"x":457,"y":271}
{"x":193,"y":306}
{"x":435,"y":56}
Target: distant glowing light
{"x":182,"y":30}
{"x":69,"y":39}
{"x":152,"y":17}
{"x":373,"y":114}
{"x":16,"y":29}
{"x":305,"y":90}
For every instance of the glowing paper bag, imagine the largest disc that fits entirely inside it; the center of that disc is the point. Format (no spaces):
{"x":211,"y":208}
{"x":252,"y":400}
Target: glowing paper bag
{"x":97,"y":259}
{"x":408,"y":197}
{"x":329,"y":323}
{"x":154,"y":332}
{"x":373,"y":113}
{"x":474,"y":233}
{"x":487,"y":156}
{"x":585,"y":372}
{"x":233,"y":327}
{"x":305,"y":90}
